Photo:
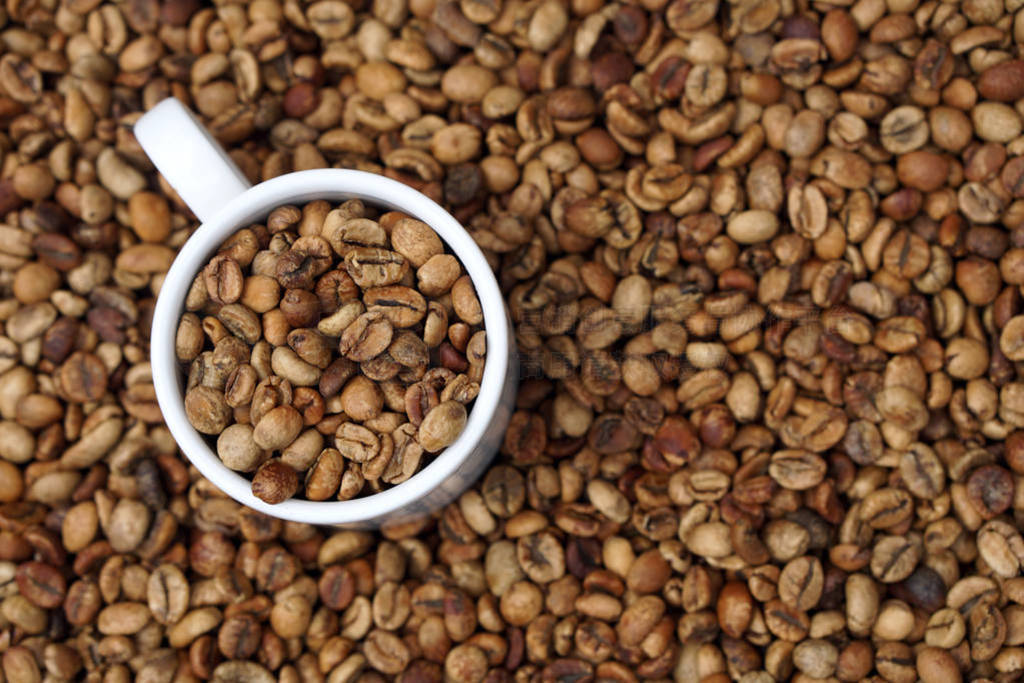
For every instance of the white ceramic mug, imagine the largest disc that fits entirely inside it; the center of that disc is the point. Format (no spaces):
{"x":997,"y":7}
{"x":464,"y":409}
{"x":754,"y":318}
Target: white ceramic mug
{"x":217,"y":192}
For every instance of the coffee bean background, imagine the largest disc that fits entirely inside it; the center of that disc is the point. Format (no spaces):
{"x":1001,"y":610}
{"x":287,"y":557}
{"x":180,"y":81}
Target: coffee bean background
{"x":764,"y":261}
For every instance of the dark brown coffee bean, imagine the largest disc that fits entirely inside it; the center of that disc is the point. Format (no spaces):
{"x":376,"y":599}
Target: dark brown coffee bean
{"x":59,"y":340}
{"x":337,"y":587}
{"x":990,"y":488}
{"x":83,"y":377}
{"x":274,"y":482}
{"x":612,"y":434}
{"x":525,"y":437}
{"x":82,"y":603}
{"x":42,"y":584}
{"x":924,"y":588}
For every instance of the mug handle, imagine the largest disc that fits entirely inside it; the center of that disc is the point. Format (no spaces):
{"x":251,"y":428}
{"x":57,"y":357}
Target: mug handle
{"x":185,"y":153}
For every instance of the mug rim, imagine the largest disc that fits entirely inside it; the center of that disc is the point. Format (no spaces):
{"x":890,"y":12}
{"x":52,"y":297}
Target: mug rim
{"x":248,"y":207}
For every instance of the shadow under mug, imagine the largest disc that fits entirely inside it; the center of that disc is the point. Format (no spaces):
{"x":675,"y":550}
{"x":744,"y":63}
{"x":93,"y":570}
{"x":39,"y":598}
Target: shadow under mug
{"x":209,"y":182}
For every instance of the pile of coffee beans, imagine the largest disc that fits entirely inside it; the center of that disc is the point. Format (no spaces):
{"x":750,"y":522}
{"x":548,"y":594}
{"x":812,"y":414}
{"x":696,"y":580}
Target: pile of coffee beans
{"x":764,"y":261}
{"x":350,"y":348}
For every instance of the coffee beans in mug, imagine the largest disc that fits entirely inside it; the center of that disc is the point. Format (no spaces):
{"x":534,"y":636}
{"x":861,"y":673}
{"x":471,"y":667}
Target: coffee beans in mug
{"x":332,"y":351}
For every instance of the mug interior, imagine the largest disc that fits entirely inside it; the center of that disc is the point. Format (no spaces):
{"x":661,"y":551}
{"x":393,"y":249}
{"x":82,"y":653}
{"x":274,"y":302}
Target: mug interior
{"x":250,"y":207}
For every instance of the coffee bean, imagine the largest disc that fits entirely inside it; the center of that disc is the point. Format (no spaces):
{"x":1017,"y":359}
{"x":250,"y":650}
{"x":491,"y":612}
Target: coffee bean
{"x":894,"y":558}
{"x":83,"y":377}
{"x":801,"y":583}
{"x":986,"y":631}
{"x":41,"y":583}
{"x":990,"y":488}
{"x":167,"y":594}
{"x":239,"y":637}
{"x":274,"y":482}
{"x":923,"y":588}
